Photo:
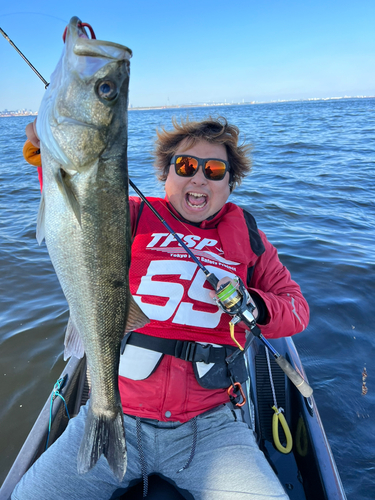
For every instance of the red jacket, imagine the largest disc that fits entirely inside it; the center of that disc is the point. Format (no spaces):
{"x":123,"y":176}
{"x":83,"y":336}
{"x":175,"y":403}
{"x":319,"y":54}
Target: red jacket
{"x":172,"y":392}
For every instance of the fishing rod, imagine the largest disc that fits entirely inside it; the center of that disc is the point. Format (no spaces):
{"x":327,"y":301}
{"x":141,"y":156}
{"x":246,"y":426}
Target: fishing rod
{"x":232,"y":299}
{"x":24,"y":58}
{"x":210,"y":277}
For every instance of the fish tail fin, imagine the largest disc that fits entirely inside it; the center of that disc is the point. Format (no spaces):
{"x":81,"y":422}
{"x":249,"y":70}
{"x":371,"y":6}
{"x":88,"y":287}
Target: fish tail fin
{"x":103,"y":435}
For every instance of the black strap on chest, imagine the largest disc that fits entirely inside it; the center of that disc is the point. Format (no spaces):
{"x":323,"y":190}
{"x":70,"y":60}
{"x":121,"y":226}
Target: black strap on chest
{"x":188,"y":351}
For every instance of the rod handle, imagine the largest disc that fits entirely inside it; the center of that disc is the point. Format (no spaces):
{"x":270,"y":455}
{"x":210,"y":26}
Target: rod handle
{"x":294,"y":376}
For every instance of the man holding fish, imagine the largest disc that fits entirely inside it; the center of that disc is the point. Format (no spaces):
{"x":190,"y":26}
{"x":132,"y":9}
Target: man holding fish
{"x":173,"y":403}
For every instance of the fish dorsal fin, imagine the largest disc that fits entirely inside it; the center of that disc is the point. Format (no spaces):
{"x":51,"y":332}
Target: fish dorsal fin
{"x":136,"y":317}
{"x":73,"y":343}
{"x":66,"y":190}
{"x":40,"y":233}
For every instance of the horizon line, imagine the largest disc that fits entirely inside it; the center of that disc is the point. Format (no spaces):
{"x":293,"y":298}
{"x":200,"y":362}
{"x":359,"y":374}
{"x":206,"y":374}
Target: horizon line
{"x":12,"y":113}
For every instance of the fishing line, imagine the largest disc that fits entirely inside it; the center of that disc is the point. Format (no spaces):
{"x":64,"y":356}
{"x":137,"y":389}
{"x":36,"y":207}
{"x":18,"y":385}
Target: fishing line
{"x":35,"y":14}
{"x":18,"y":50}
{"x":210,"y":277}
{"x":239,"y":313}
{"x":164,"y":205}
{"x":24,"y":58}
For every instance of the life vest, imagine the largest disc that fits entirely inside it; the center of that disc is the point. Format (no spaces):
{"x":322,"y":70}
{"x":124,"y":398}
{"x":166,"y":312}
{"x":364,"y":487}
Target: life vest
{"x":171,"y":289}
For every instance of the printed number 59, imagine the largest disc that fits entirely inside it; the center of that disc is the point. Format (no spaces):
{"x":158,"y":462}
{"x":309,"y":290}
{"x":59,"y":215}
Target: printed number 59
{"x":174,"y":292}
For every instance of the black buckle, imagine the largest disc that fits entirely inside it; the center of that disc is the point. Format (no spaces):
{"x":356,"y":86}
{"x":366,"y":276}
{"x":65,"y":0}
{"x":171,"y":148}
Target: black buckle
{"x":189,"y":353}
{"x":202,"y":353}
{"x":183,"y":350}
{"x":192,"y":351}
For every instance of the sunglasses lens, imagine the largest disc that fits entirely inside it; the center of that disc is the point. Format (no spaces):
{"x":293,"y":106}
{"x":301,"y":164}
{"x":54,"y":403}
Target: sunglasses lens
{"x":215,"y":170}
{"x":186,"y":166}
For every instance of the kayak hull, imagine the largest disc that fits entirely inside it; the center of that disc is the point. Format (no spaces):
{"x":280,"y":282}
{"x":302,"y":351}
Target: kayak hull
{"x":308,"y":472}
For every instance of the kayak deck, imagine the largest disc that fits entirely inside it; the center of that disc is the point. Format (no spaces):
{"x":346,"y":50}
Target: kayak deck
{"x":308,"y":472}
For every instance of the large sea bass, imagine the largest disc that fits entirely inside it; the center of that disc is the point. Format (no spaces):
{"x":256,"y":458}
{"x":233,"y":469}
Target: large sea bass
{"x":84,"y":217}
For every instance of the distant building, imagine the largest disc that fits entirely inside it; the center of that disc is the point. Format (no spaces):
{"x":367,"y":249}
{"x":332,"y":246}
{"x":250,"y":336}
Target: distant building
{"x":18,"y":112}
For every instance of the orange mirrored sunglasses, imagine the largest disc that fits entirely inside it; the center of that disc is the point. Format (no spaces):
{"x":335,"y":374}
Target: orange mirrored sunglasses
{"x":213,"y":168}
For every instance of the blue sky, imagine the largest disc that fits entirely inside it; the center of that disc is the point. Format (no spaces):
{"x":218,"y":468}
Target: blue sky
{"x":202,"y":50}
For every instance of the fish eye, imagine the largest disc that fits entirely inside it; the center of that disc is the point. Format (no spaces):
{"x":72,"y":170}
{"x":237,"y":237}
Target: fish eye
{"x":107,"y":90}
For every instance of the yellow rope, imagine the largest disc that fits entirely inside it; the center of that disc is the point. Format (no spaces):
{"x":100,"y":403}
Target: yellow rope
{"x":302,"y":443}
{"x":279,"y":417}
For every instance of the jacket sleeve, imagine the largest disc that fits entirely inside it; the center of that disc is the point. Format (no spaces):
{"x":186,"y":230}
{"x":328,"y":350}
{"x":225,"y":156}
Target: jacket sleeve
{"x":287,"y":309}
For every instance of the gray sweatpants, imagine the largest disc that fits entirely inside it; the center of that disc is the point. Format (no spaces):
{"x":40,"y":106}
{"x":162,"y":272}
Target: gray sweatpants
{"x":227,"y":464}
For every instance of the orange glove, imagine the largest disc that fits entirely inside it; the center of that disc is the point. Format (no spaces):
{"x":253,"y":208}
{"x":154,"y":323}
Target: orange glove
{"x":31,"y":148}
{"x":31,"y":154}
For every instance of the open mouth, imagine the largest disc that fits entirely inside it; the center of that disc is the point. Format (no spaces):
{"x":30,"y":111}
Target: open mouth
{"x":196,"y":200}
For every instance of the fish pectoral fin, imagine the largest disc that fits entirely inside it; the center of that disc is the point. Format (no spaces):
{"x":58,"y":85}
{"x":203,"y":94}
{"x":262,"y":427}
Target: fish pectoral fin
{"x":73,"y":343}
{"x":40,"y":232}
{"x":66,"y":190}
{"x":136,"y":317}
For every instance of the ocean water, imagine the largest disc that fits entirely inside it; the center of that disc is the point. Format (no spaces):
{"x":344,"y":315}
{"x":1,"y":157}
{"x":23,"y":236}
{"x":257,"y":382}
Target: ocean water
{"x":312,"y":191}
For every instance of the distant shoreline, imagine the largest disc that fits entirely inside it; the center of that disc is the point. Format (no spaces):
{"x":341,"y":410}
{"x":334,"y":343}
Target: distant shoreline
{"x":208,"y":105}
{"x":249,"y":103}
{"x":12,"y":115}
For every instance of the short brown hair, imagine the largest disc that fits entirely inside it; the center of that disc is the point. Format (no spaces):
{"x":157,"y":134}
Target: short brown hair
{"x":214,"y":130}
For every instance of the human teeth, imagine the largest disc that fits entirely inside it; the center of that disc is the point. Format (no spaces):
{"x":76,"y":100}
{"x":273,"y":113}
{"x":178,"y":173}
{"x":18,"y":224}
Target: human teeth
{"x":197,"y":195}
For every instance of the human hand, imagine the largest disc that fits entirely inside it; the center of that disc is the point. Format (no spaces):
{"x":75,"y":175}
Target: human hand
{"x":32,"y":134}
{"x":225,"y":281}
{"x":31,"y":148}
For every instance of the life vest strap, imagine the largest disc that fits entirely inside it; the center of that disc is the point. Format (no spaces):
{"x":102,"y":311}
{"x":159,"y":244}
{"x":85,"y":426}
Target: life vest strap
{"x":188,"y":351}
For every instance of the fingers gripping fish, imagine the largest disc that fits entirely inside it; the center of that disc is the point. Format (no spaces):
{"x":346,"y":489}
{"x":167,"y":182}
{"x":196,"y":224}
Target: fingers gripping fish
{"x":84,"y":218}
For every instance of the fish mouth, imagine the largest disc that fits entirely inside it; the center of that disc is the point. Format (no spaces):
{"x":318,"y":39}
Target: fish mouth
{"x":196,"y":200}
{"x":76,"y":34}
{"x":98,"y":48}
{"x":74,"y":118}
{"x":67,"y":120}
